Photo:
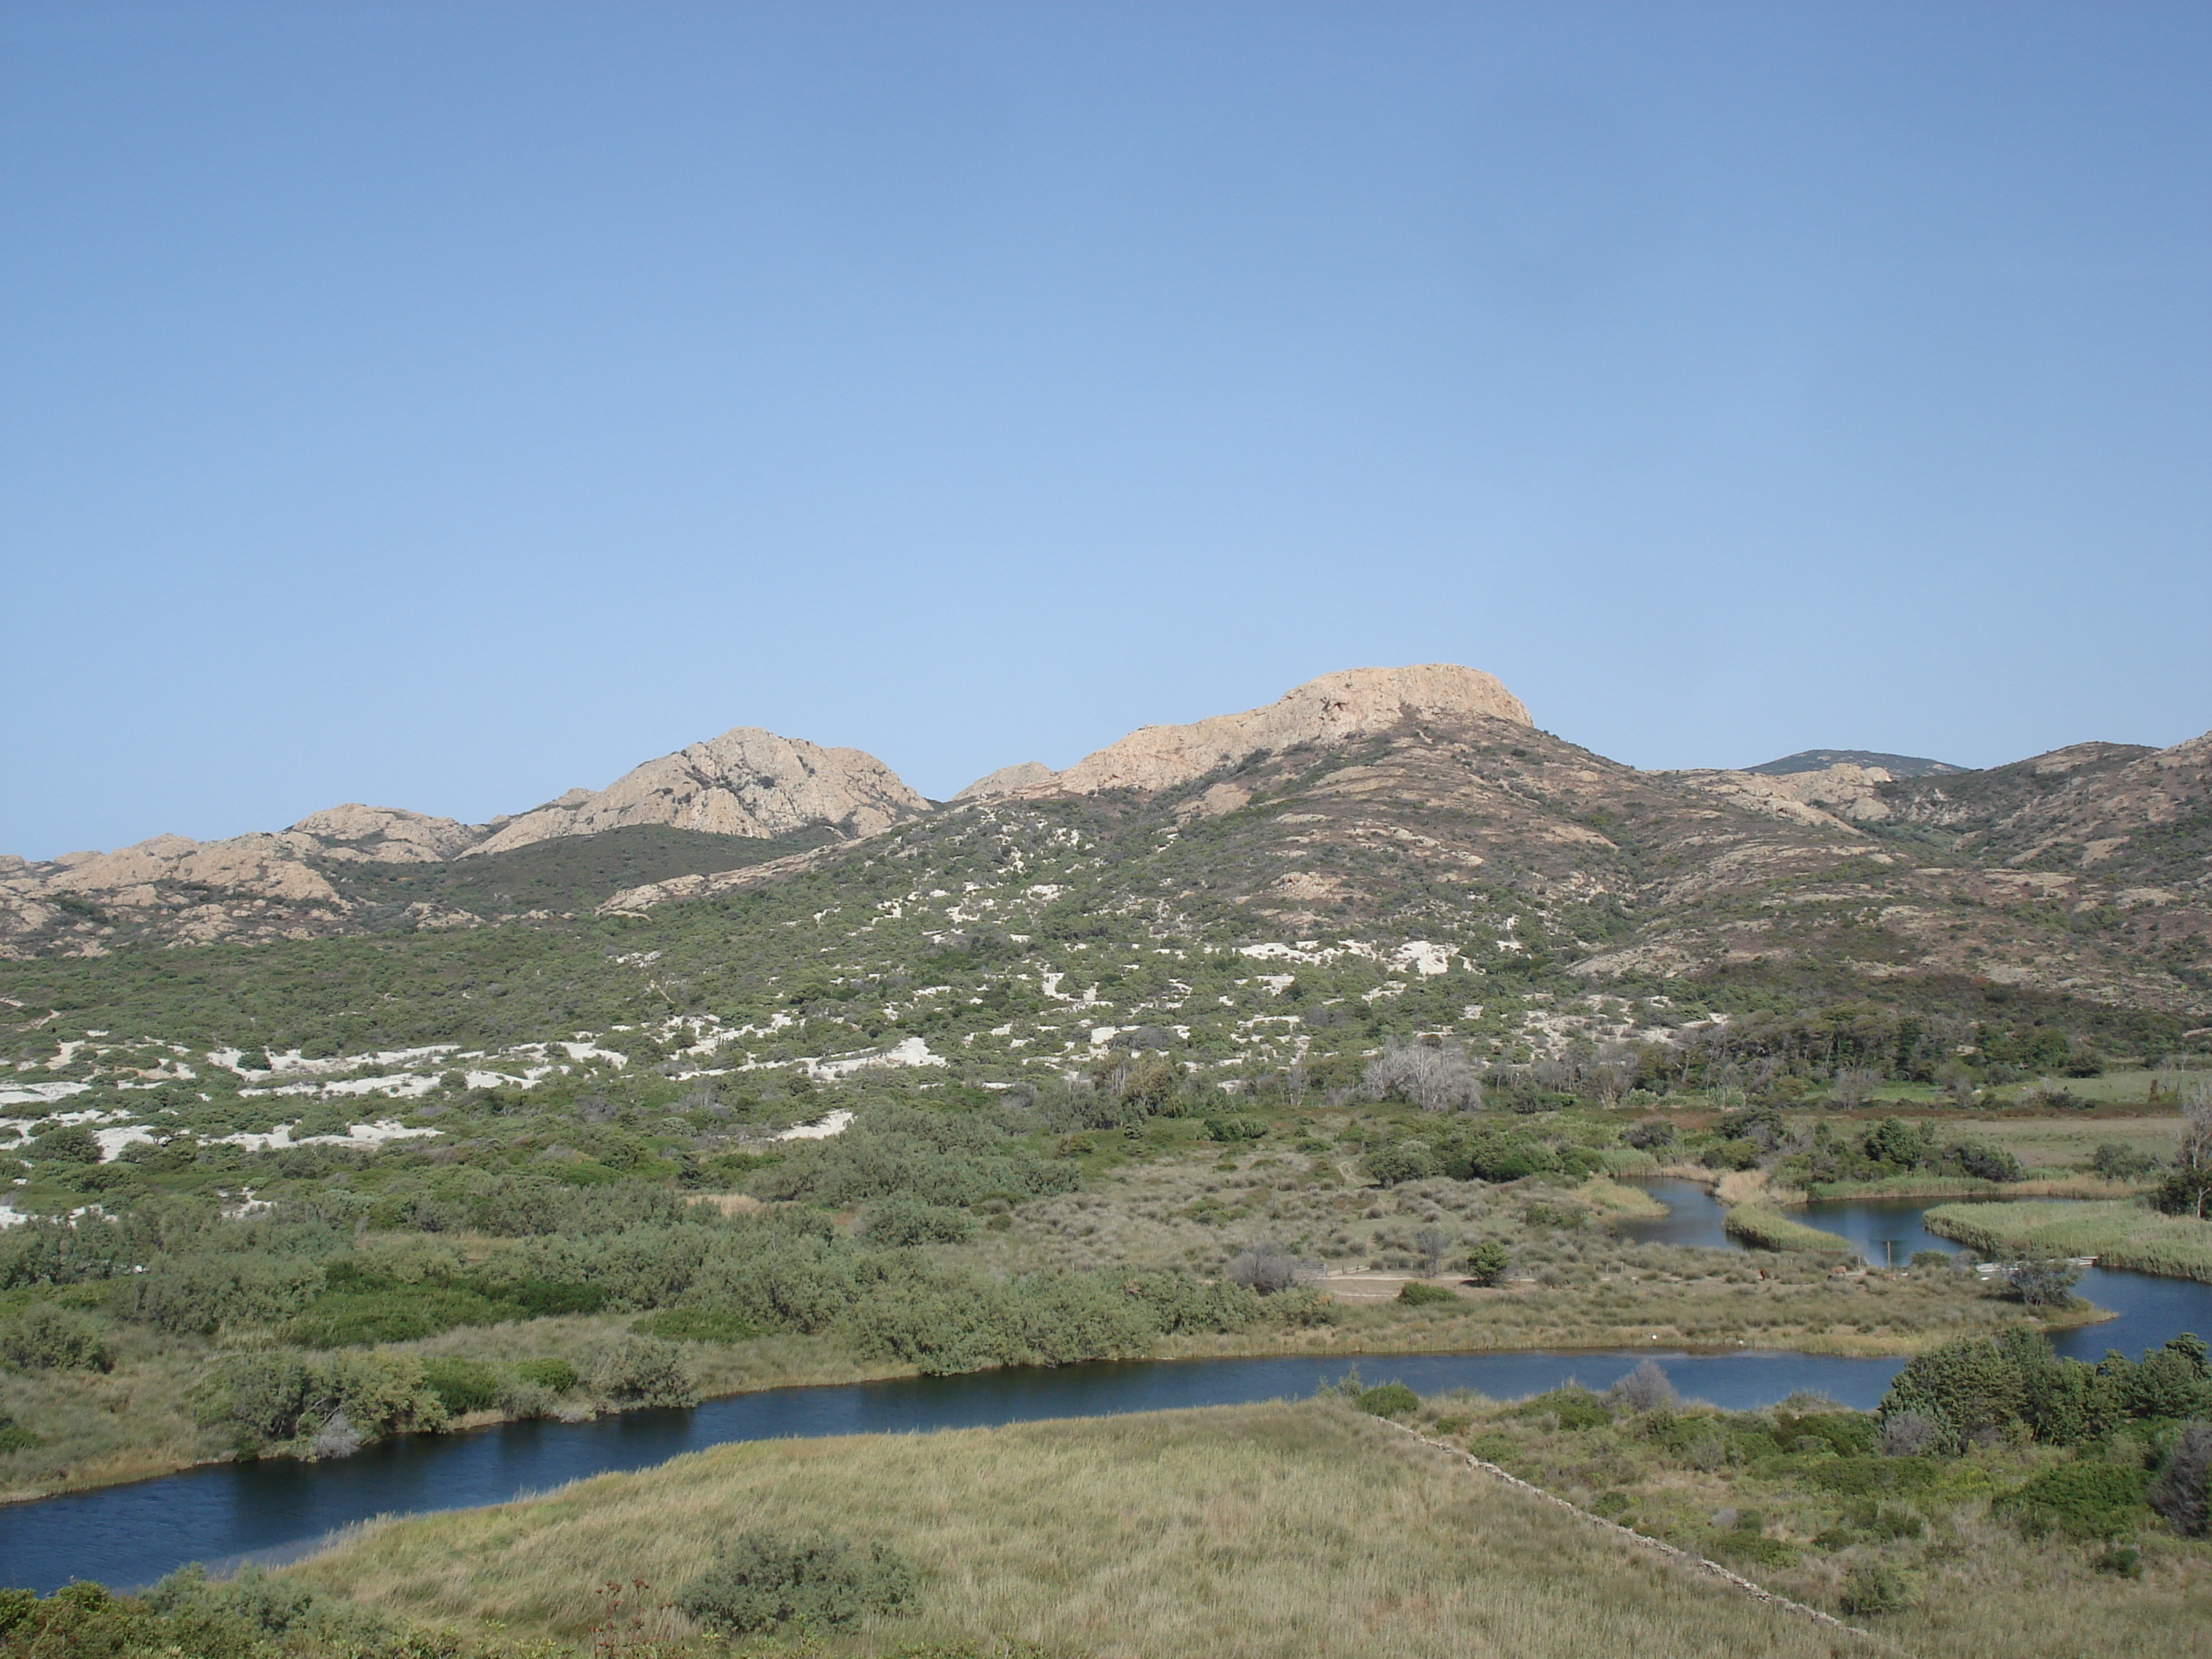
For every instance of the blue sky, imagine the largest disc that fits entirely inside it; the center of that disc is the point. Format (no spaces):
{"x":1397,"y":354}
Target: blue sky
{"x":442,"y":406}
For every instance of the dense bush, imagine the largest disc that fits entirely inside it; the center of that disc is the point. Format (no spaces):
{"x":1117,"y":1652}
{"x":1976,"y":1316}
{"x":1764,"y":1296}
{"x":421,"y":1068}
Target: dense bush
{"x":1978,"y":1388}
{"x":950,"y":1321}
{"x":1389,"y":1400}
{"x":2180,"y":1493}
{"x":933,"y":1158}
{"x":1894,"y":1147}
{"x":47,"y":1337}
{"x":462,"y":1385}
{"x":1416,"y":1294}
{"x":1486,"y":1260}
{"x":640,"y":1371}
{"x":281,"y":1395}
{"x":761,"y":1582}
{"x":1872,"y":1587}
{"x":1400,"y":1161}
{"x":1265,"y":1268}
{"x":2116,"y":1160}
{"x":557,"y":1375}
{"x":2084,"y":1499}
{"x":897,"y":1222}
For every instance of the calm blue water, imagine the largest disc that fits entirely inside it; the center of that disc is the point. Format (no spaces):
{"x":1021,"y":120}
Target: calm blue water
{"x":132,"y":1535}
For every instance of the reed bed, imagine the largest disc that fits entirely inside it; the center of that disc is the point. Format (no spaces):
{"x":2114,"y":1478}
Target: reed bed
{"x":1769,"y":1230}
{"x":2119,"y":1234}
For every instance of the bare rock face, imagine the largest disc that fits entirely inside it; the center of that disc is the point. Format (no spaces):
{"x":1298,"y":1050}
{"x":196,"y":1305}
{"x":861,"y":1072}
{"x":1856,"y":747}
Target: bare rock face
{"x":1844,"y":792}
{"x":1025,"y":775}
{"x":1333,"y":709}
{"x":745,"y":782}
{"x":386,"y":835}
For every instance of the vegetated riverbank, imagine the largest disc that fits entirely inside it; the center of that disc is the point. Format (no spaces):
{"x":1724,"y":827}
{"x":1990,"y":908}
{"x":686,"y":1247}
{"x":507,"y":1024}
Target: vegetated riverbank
{"x":2119,"y":1234}
{"x":1305,"y":1530}
{"x":1697,"y":1299}
{"x":1572,"y":1282}
{"x":1766,"y":1228}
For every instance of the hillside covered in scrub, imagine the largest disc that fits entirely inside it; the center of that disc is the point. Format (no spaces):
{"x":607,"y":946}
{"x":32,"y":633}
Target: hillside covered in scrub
{"x":1137,"y":1058}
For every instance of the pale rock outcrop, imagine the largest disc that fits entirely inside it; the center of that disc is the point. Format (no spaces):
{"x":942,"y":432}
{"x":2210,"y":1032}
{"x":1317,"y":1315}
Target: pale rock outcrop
{"x":257,"y":866}
{"x":1024,"y":774}
{"x":386,"y":835}
{"x":1332,"y":710}
{"x":1841,"y":793}
{"x":745,"y":782}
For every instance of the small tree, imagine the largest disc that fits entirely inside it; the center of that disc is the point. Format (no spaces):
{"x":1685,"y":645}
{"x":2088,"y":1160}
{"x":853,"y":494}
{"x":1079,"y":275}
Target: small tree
{"x":1432,"y":1243}
{"x":1646,"y":1389}
{"x":1265,"y":1269}
{"x":1853,"y":1086}
{"x":1436,"y":1078}
{"x":2042,"y":1280}
{"x":1486,"y":1260}
{"x":2188,"y":1190}
{"x":2179,"y":1493}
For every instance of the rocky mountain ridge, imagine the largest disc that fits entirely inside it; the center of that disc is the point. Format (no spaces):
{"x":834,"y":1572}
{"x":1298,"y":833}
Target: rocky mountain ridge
{"x":747,"y":784}
{"x":1397,"y":803}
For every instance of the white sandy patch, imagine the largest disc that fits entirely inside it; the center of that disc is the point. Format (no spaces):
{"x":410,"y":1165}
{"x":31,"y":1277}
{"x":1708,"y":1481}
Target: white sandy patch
{"x":914,"y":1051}
{"x":1423,"y":957}
{"x":40,"y":1094}
{"x":112,"y":1141}
{"x":583,"y":1051}
{"x":361,"y":1134}
{"x":834,"y":1124}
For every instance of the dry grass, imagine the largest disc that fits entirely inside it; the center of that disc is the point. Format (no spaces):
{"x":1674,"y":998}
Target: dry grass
{"x":1979,"y":1590}
{"x":1302,"y":1531}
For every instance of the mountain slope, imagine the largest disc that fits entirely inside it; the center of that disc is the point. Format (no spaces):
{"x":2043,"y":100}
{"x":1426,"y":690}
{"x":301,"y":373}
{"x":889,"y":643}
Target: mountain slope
{"x":341,"y":870}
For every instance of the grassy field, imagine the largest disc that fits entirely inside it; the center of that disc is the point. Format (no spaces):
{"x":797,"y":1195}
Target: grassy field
{"x":1974,"y":1585}
{"x":1296,"y":1530}
{"x":2120,"y":1234}
{"x":1303,"y":1530}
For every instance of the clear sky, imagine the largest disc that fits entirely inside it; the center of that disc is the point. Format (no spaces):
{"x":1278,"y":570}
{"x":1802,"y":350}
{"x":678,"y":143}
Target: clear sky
{"x":440,"y":405}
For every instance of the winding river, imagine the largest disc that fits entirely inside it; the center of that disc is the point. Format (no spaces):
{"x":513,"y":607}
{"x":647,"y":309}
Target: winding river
{"x":276,"y":1510}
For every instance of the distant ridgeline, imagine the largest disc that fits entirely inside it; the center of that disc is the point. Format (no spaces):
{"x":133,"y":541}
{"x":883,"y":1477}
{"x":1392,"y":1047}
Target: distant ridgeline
{"x":1819,"y":760}
{"x":1414,"y":820}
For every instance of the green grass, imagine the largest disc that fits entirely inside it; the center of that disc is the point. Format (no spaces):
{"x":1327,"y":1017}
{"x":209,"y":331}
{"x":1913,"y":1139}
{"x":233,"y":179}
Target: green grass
{"x":1304,"y":1531}
{"x":2121,"y":1233}
{"x":1769,"y":1230}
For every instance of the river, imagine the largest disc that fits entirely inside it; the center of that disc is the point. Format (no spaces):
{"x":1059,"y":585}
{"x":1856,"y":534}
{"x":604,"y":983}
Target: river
{"x":131,"y":1534}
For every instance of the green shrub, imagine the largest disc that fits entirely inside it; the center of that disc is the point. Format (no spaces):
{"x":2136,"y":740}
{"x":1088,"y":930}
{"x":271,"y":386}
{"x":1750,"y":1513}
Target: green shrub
{"x":2082,"y":1500}
{"x":760,"y":1582}
{"x":1576,"y":1406}
{"x":641,"y":1371}
{"x":14,"y":1436}
{"x":1874,"y":1587}
{"x":558,"y":1375}
{"x":462,"y":1385}
{"x":1400,"y":1161}
{"x":1486,"y":1260}
{"x":898,"y":1222}
{"x":1232,"y":1129}
{"x":284,"y":1396}
{"x":1389,"y":1400}
{"x":2180,"y":1493}
{"x":71,"y":1143}
{"x":47,"y":1337}
{"x":1419,"y":1295}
